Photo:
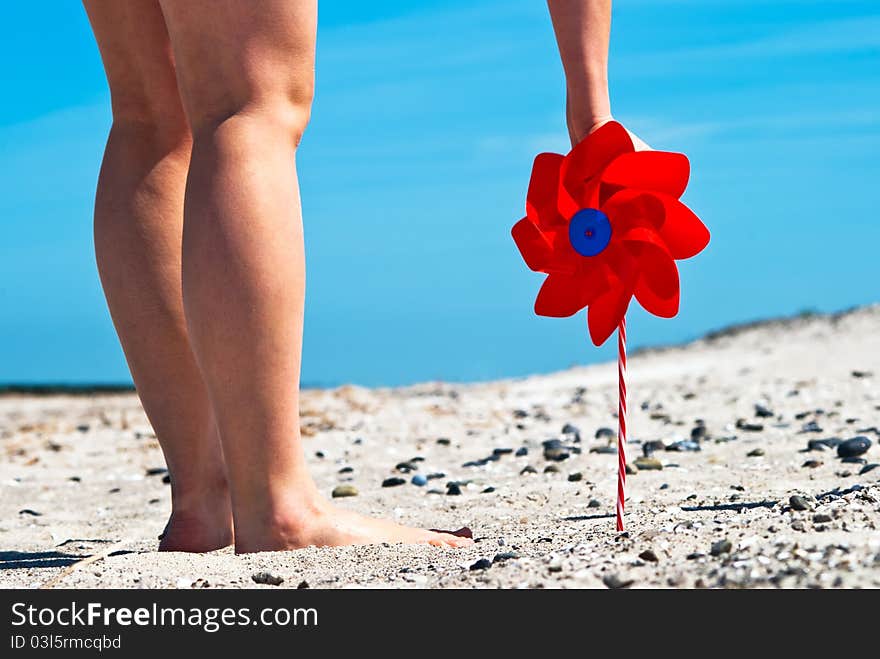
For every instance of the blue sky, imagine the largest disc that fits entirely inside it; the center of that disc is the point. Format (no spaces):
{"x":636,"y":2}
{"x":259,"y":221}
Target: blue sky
{"x":426,"y":119}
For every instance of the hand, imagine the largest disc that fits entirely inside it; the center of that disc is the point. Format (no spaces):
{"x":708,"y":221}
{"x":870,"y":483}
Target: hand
{"x":638,"y":143}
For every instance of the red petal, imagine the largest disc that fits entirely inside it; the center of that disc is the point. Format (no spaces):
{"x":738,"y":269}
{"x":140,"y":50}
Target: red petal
{"x":659,"y":306}
{"x":654,"y":171}
{"x":606,"y":312}
{"x":543,"y":189}
{"x":682,"y":231}
{"x":565,"y":295}
{"x":535,"y":249}
{"x":657,"y":269}
{"x":587,"y":159}
{"x":631,"y":208}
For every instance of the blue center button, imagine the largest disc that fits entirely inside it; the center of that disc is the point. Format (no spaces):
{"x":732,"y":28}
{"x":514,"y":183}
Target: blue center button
{"x":589,"y":231}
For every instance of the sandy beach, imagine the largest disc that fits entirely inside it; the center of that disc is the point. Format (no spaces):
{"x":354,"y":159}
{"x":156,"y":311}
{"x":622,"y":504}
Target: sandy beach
{"x":82,"y":497}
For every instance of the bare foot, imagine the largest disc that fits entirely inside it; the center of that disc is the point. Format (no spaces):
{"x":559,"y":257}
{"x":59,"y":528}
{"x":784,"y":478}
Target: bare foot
{"x":328,"y":526}
{"x":201,"y":531}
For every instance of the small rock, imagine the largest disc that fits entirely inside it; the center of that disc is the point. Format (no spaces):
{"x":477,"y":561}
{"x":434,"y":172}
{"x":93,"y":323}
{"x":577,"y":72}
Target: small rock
{"x":521,"y":451}
{"x":605,"y":433}
{"x":604,"y":450}
{"x":575,"y":477}
{"x":797,"y":525}
{"x":763,"y":412}
{"x":684,"y":445}
{"x":444,"y":441}
{"x":615,"y":582}
{"x":405,"y":467}
{"x":502,"y":451}
{"x":594,"y":503}
{"x":742,"y":424}
{"x":551,"y":469}
{"x":798,"y":503}
{"x":648,"y":464}
{"x":482,"y":564}
{"x":574,"y":431}
{"x":862,"y":374}
{"x":630,"y":470}
{"x":156,"y":471}
{"x":453,"y":489}
{"x":166,"y":479}
{"x":648,"y":448}
{"x":267,"y":578}
{"x":303,"y":585}
{"x":346,"y":470}
{"x":419,"y":480}
{"x":505,"y":556}
{"x":394,"y":481}
{"x":28,"y":511}
{"x":811,"y":426}
{"x":699,"y":432}
{"x":812,"y":464}
{"x":721,"y":547}
{"x":435,"y":475}
{"x":528,"y":469}
{"x":556,"y":453}
{"x":344,"y":491}
{"x":649,"y":555}
{"x":822,"y":518}
{"x":868,"y":467}
{"x":487,"y":490}
{"x":853,"y":447}
{"x":755,"y":453}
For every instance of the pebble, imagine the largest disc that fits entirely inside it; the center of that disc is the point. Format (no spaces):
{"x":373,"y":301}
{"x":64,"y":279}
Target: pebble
{"x":649,"y":556}
{"x":505,"y":556}
{"x":798,"y":503}
{"x":649,"y":447}
{"x":344,"y":491}
{"x":528,"y":469}
{"x":594,"y":503}
{"x":853,"y":447}
{"x":394,"y":481}
{"x":822,"y":518}
{"x":648,"y":464}
{"x":684,"y":445}
{"x":604,"y":450}
{"x":487,"y":490}
{"x":28,"y":511}
{"x":346,"y":470}
{"x":156,"y":471}
{"x":267,"y":578}
{"x":444,"y":441}
{"x":405,"y":467}
{"x":521,"y":451}
{"x":419,"y":480}
{"x":742,"y":424}
{"x":502,"y":451}
{"x":551,"y":469}
{"x":556,"y":453}
{"x":812,"y":464}
{"x":699,"y":432}
{"x":811,"y":426}
{"x":755,"y":453}
{"x":605,"y":433}
{"x":822,"y":444}
{"x":721,"y":547}
{"x":166,"y":479}
{"x":614,"y":581}
{"x":574,"y":431}
{"x":453,"y":489}
{"x":868,"y":467}
{"x":575,"y":477}
{"x":435,"y":475}
{"x":630,"y":470}
{"x":763,"y":412}
{"x":482,"y":564}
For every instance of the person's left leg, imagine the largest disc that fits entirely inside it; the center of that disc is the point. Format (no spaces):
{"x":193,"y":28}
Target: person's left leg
{"x":138,"y":236}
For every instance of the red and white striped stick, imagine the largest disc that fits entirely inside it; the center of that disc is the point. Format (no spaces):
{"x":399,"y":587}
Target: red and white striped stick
{"x":621,"y":419}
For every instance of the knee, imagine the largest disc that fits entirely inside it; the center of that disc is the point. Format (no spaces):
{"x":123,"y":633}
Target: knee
{"x":148,"y":118}
{"x":275,"y":119}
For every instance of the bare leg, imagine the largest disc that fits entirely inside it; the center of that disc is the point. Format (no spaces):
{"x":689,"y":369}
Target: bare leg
{"x":246,"y":81}
{"x":138,"y":229}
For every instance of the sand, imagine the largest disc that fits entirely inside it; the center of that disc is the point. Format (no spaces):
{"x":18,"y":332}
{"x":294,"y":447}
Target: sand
{"x":74,"y":482}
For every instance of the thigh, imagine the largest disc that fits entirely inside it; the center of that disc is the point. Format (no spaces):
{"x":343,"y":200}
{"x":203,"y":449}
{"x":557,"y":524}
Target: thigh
{"x":234,"y":55}
{"x":137,"y":57}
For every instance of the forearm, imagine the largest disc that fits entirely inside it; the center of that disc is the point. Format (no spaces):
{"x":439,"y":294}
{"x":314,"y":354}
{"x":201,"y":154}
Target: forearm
{"x":583,"y":29}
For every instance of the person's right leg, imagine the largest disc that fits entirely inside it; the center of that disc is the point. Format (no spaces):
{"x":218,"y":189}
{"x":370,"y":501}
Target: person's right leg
{"x":246,"y":72}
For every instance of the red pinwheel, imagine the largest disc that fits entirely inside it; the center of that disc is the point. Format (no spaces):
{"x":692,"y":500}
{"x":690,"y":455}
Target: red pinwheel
{"x":605,"y":223}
